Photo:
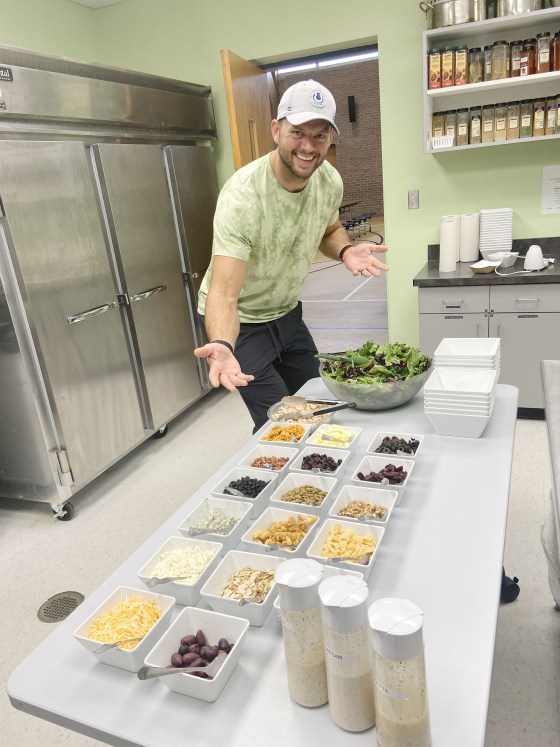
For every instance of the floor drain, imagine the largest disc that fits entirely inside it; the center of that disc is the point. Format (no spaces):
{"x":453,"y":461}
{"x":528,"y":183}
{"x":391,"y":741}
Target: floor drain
{"x":58,"y":608}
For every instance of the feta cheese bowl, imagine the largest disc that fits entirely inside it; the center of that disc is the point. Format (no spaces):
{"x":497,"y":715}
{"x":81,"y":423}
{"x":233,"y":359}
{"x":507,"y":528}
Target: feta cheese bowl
{"x":214,"y":516}
{"x":182,"y":556}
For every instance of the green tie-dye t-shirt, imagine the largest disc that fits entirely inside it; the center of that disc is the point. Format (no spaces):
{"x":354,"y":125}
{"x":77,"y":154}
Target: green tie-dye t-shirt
{"x":276,"y":232}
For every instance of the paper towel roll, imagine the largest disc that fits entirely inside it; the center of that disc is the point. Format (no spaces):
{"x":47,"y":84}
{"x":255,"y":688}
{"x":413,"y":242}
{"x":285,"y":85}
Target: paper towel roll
{"x":469,"y":239}
{"x":449,"y":237}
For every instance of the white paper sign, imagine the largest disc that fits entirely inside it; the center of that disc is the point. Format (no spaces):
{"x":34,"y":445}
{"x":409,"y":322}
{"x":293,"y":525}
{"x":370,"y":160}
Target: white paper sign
{"x":550,"y":190}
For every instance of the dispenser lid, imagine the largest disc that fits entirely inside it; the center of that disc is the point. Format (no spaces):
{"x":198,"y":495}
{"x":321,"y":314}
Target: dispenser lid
{"x":396,"y":626}
{"x":298,"y":580}
{"x":344,"y":603}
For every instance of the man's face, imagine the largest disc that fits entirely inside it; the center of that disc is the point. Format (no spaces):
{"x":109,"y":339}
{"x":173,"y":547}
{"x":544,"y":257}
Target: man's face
{"x":302,"y":148}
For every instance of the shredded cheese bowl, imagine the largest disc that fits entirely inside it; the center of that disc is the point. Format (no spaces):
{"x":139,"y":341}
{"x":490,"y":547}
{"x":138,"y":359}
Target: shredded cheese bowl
{"x":126,"y":613}
{"x":193,"y":558}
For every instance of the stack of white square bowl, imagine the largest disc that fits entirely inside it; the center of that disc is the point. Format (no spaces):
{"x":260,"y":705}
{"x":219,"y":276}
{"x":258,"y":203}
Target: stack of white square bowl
{"x":459,"y":396}
{"x":496,"y":231}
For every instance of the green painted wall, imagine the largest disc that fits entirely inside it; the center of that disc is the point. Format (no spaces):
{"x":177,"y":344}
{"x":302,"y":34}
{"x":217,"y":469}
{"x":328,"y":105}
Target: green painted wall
{"x":53,"y":26}
{"x":182,"y":39}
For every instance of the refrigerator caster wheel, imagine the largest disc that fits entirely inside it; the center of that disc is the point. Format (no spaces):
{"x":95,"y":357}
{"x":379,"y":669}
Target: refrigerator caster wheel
{"x":65,"y":513}
{"x":161,"y":432}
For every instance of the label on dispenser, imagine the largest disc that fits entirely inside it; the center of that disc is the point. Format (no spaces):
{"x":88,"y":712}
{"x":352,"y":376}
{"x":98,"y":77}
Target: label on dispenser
{"x":390,"y":693}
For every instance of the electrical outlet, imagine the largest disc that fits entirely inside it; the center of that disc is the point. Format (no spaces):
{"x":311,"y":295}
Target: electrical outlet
{"x":413,"y":199}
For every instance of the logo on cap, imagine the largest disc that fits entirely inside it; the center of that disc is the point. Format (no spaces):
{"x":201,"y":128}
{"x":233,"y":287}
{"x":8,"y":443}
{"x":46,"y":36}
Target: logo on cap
{"x":317,"y":98}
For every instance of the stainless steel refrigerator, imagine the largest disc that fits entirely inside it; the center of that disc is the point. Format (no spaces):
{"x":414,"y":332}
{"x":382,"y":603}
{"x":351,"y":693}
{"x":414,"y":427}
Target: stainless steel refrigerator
{"x":107,"y":193}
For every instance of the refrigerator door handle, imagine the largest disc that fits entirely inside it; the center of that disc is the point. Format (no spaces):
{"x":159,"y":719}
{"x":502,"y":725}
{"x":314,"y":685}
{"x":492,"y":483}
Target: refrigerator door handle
{"x":147,"y":293}
{"x":83,"y":315}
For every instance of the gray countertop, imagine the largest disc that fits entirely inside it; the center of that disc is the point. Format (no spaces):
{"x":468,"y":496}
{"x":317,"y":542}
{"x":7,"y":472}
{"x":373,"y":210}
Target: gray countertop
{"x":430,"y":276}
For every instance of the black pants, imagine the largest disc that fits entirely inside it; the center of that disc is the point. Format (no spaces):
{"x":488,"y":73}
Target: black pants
{"x":280,"y":355}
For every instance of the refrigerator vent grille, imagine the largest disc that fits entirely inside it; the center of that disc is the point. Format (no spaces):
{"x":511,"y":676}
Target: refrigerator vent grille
{"x":59,"y":606}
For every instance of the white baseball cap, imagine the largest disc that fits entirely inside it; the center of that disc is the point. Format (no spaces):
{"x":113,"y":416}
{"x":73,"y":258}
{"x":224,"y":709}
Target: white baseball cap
{"x":305,"y":101}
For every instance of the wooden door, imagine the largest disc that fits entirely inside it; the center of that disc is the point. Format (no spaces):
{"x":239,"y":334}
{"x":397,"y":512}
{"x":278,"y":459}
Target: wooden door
{"x":252,"y":102}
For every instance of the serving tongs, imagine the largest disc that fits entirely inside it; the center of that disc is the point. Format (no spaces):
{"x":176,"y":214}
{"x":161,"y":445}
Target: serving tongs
{"x":201,"y":531}
{"x":362,"y":560}
{"x":296,"y":415}
{"x":148,"y":673}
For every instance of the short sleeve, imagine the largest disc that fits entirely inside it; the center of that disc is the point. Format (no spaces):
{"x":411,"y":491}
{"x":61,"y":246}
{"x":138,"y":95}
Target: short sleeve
{"x":234,"y":225}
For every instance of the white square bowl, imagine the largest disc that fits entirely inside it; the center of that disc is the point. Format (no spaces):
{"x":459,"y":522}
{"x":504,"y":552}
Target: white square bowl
{"x":269,"y":516}
{"x":366,"y":530}
{"x":316,"y":438}
{"x":239,"y":510}
{"x":467,"y":410}
{"x":336,"y":454}
{"x":297,"y":480}
{"x":237,"y":473}
{"x":374,"y":463}
{"x":132,"y":659}
{"x":256,"y":613}
{"x":468,"y":347}
{"x":308,"y":427}
{"x":380,"y":496}
{"x":378,"y":438}
{"x":214,"y":626}
{"x":261,"y":450}
{"x":185,"y":592}
{"x":456,"y":380}
{"x":453,"y":424}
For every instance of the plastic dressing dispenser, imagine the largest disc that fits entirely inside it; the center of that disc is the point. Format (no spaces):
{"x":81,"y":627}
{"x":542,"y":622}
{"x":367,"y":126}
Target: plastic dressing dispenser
{"x":348,"y":652}
{"x":298,"y":582}
{"x":401,"y":701}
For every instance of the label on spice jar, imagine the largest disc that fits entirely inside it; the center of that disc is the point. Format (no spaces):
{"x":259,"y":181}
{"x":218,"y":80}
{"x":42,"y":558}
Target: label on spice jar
{"x":526,"y":120}
{"x":475,"y":126}
{"x":462,"y":129}
{"x":500,"y":123}
{"x":513,"y":121}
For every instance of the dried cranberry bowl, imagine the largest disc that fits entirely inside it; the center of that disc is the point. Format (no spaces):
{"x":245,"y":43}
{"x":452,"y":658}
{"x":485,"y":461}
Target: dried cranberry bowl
{"x":375,"y":377}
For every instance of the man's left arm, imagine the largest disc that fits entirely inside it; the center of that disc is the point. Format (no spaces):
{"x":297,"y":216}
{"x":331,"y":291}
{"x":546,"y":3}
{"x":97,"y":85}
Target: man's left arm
{"x":358,"y":258}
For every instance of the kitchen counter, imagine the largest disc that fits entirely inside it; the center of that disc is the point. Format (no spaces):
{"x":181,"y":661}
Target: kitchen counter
{"x":458,"y":491}
{"x":430,"y":276}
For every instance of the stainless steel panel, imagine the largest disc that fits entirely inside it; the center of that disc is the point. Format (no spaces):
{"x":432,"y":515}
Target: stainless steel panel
{"x":193,"y":281}
{"x":194,"y":186}
{"x":140,"y":222}
{"x":57,"y":247}
{"x":72,"y":102}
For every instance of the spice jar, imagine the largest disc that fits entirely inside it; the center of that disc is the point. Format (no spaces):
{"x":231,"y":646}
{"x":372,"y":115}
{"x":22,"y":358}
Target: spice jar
{"x":500,"y":121}
{"x":551,"y":117}
{"x":302,"y":627}
{"x":447,"y":67}
{"x":401,"y":698}
{"x":438,"y":124}
{"x":512,"y":130}
{"x":543,"y":52}
{"x":556,"y":53}
{"x":528,"y":64}
{"x":499,"y":60}
{"x":476,"y":65}
{"x":462,"y":127}
{"x":488,"y":62}
{"x":488,"y":123}
{"x":526,"y":110}
{"x":348,"y":652}
{"x":515,"y":49}
{"x":434,"y":68}
{"x":539,"y":115}
{"x":451,"y":125}
{"x":475,"y":134}
{"x":461,"y":65}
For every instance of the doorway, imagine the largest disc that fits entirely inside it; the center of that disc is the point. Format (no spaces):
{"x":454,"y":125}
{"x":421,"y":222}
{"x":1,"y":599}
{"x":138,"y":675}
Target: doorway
{"x":342,"y":311}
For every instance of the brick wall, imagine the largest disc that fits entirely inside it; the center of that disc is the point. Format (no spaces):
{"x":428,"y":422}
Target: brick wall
{"x":358,"y":147}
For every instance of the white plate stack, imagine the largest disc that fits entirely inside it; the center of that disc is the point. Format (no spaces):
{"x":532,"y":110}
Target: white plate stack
{"x":468,"y":352}
{"x":496,"y":231}
{"x":459,"y":396}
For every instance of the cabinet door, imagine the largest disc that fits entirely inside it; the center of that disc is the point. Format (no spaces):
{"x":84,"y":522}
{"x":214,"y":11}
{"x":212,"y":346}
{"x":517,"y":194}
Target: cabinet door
{"x":454,"y":299}
{"x":434,"y":327}
{"x":526,"y":339}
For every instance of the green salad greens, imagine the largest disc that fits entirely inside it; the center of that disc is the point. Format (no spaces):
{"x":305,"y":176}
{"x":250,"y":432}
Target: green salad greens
{"x":375,"y":364}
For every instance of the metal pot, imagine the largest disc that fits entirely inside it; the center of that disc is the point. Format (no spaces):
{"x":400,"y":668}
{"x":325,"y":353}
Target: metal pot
{"x":517,"y":7}
{"x":452,"y":12}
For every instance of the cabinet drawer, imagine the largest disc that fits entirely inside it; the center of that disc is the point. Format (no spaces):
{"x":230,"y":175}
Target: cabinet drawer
{"x":537,"y":297}
{"x":454,"y":299}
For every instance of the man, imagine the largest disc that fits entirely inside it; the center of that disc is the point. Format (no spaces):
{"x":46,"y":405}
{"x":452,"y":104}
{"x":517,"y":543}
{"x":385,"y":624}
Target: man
{"x":271,"y":217}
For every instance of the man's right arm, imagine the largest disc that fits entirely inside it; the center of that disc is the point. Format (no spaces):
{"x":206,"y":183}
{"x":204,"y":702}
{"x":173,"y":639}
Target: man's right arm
{"x":222,"y":322}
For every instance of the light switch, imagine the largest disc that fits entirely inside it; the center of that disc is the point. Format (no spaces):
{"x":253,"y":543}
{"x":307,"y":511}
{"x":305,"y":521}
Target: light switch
{"x":413,"y":199}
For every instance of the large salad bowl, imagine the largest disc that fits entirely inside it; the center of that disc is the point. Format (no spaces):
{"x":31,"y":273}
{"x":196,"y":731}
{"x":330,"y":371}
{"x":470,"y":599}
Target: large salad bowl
{"x":375,"y":377}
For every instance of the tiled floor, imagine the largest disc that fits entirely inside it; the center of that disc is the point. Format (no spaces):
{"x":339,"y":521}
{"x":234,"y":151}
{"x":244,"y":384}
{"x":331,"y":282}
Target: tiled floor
{"x":343,"y":311}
